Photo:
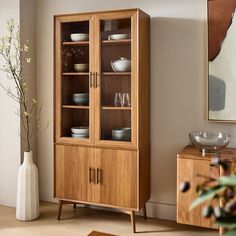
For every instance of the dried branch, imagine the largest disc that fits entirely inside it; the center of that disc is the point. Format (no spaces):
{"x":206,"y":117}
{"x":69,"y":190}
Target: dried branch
{"x":15,"y":56}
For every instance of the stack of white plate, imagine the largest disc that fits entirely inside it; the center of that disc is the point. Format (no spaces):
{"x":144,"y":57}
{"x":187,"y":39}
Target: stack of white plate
{"x":80,"y":132}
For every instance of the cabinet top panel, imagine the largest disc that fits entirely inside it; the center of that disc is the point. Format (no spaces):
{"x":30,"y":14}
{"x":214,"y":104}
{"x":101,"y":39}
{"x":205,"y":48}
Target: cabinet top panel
{"x":132,"y":10}
{"x":190,"y":152}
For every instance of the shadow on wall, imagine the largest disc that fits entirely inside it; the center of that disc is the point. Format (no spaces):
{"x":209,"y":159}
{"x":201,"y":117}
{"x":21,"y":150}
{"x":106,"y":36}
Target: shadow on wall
{"x":178,"y":74}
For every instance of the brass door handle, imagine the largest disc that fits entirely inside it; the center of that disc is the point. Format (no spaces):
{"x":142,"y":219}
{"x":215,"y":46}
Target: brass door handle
{"x":96,"y":76}
{"x":91,"y":175}
{"x":91,"y":79}
{"x":99,"y":176}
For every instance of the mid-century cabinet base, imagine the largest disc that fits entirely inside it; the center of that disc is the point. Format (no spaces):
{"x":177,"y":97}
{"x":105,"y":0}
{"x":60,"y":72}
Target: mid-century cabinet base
{"x":103,"y":177}
{"x":129,"y":212}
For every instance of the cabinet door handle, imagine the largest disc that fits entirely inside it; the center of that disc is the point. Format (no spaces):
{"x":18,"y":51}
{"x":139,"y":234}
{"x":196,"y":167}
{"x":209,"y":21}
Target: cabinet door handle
{"x":97,"y":84}
{"x":97,"y":79}
{"x":99,"y":176}
{"x":91,"y":84}
{"x":91,"y":175}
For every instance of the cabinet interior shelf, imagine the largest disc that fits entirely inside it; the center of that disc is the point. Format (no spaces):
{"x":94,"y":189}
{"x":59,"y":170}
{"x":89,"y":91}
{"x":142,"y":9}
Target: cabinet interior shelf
{"x":75,"y":107}
{"x":116,"y":42}
{"x":115,"y":108}
{"x":75,"y":73}
{"x":116,"y":73}
{"x":84,"y":43}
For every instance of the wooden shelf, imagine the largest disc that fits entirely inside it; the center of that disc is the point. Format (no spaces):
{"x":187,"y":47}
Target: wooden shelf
{"x":115,"y":108}
{"x":75,"y":73}
{"x":116,"y":73}
{"x":83,"y":43}
{"x":75,"y":107}
{"x":116,"y":42}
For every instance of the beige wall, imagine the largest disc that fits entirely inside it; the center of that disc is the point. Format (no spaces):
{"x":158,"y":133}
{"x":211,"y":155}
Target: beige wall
{"x":9,"y":122}
{"x":178,"y":82}
{"x":27,"y":33}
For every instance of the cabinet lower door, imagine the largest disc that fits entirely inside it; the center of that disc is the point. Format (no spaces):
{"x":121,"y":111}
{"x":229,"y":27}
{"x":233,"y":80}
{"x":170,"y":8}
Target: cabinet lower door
{"x":117,"y":177}
{"x":188,"y":170}
{"x":74,"y":173}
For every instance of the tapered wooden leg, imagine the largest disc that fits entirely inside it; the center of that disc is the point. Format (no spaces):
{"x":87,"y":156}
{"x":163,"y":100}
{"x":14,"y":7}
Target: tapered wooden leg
{"x":59,"y":209}
{"x":74,"y":205}
{"x":144,"y":212}
{"x":132,"y":216}
{"x":222,"y":231}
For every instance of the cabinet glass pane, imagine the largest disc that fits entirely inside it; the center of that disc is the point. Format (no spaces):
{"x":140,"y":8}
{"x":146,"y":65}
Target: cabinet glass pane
{"x":116,"y":77}
{"x":75,"y":79}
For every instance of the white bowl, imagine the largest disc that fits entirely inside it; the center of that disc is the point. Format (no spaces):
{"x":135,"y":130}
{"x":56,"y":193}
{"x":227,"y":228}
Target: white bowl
{"x":118,"y":36}
{"x":79,"y":37}
{"x":122,"y":65}
{"x":81,"y":130}
{"x":79,"y":135}
{"x":122,"y":134}
{"x":81,"y":67}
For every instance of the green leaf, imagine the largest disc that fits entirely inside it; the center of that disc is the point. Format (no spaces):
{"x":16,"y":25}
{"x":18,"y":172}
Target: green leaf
{"x":230,"y":233}
{"x":227,"y":222}
{"x":209,"y":194}
{"x":228,"y":180}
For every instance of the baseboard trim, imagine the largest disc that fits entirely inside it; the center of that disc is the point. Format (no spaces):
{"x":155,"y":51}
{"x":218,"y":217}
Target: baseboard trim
{"x":161,"y":210}
{"x":7,"y":199}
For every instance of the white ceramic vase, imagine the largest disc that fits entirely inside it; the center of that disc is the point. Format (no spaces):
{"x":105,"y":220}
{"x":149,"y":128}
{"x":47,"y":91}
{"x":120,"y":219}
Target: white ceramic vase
{"x":27,"y":206}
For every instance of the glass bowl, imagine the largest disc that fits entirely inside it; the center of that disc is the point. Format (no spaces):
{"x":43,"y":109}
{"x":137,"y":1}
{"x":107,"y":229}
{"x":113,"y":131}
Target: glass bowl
{"x":209,"y":142}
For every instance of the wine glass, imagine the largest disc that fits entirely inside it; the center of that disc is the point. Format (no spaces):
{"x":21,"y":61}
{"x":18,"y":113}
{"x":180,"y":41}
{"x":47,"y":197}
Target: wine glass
{"x":127,"y":100}
{"x":118,"y":99}
{"x":122,"y":100}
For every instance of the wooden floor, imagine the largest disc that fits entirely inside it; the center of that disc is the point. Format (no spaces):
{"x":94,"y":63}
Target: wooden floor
{"x":82,"y":221}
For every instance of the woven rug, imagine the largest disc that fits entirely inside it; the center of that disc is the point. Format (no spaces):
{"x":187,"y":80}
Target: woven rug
{"x":95,"y":233}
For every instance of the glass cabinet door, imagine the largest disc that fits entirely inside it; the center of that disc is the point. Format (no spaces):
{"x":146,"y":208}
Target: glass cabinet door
{"x":115,"y":81}
{"x":76,"y":94}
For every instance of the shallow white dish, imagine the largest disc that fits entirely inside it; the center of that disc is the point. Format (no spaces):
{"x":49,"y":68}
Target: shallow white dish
{"x":79,"y":37}
{"x":118,"y":36}
{"x":121,"y":65}
{"x":82,"y":67}
{"x":79,"y":135}
{"x":81,"y":130}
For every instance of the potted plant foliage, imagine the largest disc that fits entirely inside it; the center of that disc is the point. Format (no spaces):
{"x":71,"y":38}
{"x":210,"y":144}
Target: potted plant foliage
{"x":215,"y":190}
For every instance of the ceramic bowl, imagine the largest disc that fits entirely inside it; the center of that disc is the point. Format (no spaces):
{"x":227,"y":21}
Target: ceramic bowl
{"x":79,"y":37}
{"x":81,"y":98}
{"x":208,"y":142}
{"x":118,"y":36}
{"x":79,"y":136}
{"x":121,"y":65}
{"x":80,"y":131}
{"x":82,"y":67}
{"x":121,"y":134}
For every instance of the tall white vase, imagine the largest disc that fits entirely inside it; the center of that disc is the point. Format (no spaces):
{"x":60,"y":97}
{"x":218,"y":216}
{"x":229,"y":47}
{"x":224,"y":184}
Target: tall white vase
{"x":27,"y":206}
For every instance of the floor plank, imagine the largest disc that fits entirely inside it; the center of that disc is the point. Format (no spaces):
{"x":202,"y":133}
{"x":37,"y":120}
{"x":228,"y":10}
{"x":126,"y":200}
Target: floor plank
{"x":82,"y":221}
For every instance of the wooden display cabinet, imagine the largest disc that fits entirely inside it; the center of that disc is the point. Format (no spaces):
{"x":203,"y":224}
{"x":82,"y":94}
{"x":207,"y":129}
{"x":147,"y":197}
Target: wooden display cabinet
{"x":99,"y":170}
{"x":191,"y":163}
